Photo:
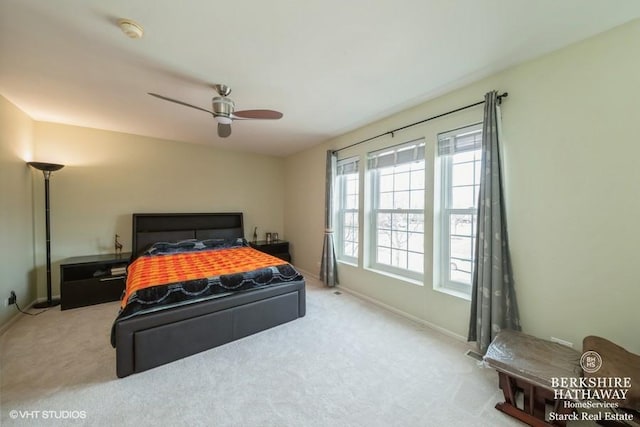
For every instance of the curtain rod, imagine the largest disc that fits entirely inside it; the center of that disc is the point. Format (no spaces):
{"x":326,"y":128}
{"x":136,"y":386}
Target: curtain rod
{"x":391,"y":132}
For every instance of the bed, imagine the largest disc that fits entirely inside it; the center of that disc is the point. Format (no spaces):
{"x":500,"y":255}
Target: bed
{"x":157,"y":336}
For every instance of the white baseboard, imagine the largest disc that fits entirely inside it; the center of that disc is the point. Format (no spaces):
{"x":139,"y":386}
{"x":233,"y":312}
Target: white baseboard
{"x":306,"y":273}
{"x":43,"y":299}
{"x":405,"y":314}
{"x":392,"y":309}
{"x":6,"y":325}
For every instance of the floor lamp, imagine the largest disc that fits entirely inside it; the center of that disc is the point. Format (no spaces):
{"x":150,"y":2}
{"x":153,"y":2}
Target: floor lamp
{"x":46,"y":169}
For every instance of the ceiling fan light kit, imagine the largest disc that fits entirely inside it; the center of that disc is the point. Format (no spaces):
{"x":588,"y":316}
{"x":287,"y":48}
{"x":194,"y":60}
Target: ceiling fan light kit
{"x":224,"y":110}
{"x":131,"y":28}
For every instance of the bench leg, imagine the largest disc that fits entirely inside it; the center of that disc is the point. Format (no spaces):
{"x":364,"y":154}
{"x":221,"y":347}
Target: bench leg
{"x":534,"y":402}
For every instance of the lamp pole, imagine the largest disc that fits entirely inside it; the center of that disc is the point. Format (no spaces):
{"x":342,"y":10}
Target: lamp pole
{"x":46,"y":169}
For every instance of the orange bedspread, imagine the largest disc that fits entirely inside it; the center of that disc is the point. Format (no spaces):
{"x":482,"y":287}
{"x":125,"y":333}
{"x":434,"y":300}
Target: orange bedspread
{"x":150,"y":271}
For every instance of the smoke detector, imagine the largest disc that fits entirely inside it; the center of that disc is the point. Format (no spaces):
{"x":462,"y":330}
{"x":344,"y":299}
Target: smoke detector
{"x":131,"y":28}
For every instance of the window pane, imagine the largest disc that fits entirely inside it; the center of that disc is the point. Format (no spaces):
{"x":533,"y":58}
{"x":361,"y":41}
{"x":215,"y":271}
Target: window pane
{"x":384,"y":221}
{"x":352,"y":202}
{"x":354,"y":252}
{"x":347,"y":187}
{"x":461,"y":224}
{"x":386,"y":201}
{"x":417,"y":179}
{"x":352,"y":185}
{"x":386,"y":183}
{"x":465,"y":156}
{"x":405,"y":167}
{"x":463,"y":197}
{"x":399,"y":239}
{"x":384,"y":238}
{"x":401,"y":200}
{"x":462,"y":174}
{"x":399,"y":221}
{"x":415,"y":262}
{"x":461,"y":247}
{"x":399,"y":258}
{"x":417,"y":199}
{"x":402,"y":181}
{"x":416,"y":222}
{"x":416,"y":242}
{"x":461,"y":274}
{"x":384,"y":255}
{"x":350,"y":219}
{"x":351,"y":249}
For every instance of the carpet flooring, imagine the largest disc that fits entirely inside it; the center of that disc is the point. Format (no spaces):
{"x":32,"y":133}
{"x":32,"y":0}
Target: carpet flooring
{"x":346,"y":363}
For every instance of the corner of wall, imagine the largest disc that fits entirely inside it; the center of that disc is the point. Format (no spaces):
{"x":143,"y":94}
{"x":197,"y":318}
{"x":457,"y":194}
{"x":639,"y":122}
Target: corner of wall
{"x":16,"y":220}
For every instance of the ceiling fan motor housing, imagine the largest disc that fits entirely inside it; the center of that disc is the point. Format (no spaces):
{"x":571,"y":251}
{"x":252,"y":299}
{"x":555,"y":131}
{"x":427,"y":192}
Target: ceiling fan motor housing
{"x":222,"y":109}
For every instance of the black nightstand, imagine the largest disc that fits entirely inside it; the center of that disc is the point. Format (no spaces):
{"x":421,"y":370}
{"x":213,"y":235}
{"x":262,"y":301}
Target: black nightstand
{"x":94,"y":279}
{"x":277,"y":248}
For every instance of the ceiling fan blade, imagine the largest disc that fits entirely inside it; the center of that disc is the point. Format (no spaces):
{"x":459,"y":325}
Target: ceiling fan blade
{"x":224,"y":130}
{"x":257,"y":114}
{"x":179,"y":102}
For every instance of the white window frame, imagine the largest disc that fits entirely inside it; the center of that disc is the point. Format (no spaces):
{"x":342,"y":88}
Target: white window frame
{"x":412,"y":152}
{"x":447,"y":147}
{"x":347,"y":169}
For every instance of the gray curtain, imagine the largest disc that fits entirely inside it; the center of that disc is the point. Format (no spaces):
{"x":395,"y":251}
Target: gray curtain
{"x":329,"y":268}
{"x":493,"y":299}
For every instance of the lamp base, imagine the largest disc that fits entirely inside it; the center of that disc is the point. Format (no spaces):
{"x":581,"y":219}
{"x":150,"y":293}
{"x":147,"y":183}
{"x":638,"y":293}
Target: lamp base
{"x":47,"y":304}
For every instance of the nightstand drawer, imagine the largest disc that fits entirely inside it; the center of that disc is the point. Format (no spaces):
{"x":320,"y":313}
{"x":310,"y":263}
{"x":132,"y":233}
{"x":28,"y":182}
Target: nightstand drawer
{"x":80,"y":293}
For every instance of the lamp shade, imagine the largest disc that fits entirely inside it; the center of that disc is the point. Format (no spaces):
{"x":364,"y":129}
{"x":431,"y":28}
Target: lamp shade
{"x":45,"y":167}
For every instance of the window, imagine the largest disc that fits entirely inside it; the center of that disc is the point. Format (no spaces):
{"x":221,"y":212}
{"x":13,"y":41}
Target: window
{"x":397,"y":209}
{"x":460,"y":156}
{"x":348,"y":191}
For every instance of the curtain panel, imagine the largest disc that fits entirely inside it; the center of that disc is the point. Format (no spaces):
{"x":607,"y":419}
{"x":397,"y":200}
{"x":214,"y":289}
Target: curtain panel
{"x":493,"y":299}
{"x":329,"y":266}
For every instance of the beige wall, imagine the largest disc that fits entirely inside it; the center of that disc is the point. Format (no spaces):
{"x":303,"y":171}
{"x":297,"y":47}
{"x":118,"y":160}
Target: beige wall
{"x":109,"y":175}
{"x":16,"y":219}
{"x":572,"y":193}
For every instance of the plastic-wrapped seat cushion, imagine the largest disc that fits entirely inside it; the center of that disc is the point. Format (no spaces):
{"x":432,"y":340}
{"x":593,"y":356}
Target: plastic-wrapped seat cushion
{"x":532,"y":359}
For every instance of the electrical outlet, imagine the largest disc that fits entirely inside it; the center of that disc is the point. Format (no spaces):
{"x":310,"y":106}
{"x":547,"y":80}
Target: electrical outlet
{"x":563,"y":342}
{"x":12,"y":299}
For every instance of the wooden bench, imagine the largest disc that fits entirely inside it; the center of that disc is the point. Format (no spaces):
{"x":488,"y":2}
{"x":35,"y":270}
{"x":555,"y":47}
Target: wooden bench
{"x":525,"y":366}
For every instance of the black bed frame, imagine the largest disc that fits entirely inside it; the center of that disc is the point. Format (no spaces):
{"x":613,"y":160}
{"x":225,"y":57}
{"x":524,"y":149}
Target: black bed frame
{"x":153,"y":339}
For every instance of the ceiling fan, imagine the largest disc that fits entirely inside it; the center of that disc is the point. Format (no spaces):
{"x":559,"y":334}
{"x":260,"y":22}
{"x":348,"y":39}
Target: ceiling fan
{"x":224,"y":110}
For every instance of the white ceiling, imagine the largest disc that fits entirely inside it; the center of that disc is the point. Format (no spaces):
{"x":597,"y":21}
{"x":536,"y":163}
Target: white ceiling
{"x":330,"y":66}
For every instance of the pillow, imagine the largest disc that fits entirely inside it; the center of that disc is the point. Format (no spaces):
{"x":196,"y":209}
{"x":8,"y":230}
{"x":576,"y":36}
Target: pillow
{"x":193,"y":245}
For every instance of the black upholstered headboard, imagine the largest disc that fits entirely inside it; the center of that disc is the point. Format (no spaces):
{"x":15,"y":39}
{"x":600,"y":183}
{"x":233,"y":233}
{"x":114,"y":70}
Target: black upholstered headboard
{"x":155,"y":227}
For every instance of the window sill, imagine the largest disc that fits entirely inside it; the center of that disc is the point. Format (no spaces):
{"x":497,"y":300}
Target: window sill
{"x":349,"y":263}
{"x":458,"y":294}
{"x":395,"y":276}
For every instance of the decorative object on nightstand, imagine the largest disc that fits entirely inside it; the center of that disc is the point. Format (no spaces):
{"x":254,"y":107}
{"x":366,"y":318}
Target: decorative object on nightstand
{"x":94,"y":279}
{"x":268,"y":237}
{"x":118,"y":246}
{"x":255,"y":234}
{"x":278,"y":249}
{"x":46,"y":169}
